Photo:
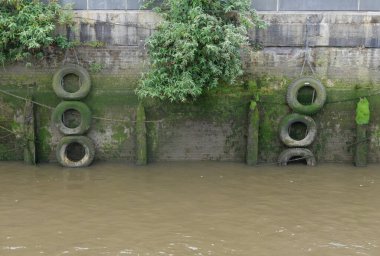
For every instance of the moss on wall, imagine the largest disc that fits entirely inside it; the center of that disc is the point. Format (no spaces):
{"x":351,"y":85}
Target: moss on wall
{"x":226,"y":107}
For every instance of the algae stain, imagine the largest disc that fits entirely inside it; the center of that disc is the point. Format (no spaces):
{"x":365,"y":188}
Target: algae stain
{"x":44,"y":139}
{"x":120,"y":133}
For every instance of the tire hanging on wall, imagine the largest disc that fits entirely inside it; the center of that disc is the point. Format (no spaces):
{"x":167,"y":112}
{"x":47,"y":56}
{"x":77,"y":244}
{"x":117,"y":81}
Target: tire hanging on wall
{"x":84,"y":82}
{"x":292,"y":94}
{"x":85,"y":117}
{"x":296,"y":154}
{"x":62,"y":152}
{"x":286,"y":123}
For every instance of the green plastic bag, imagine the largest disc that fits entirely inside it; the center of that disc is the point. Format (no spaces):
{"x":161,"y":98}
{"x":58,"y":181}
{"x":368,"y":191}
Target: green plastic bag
{"x":362,"y":112}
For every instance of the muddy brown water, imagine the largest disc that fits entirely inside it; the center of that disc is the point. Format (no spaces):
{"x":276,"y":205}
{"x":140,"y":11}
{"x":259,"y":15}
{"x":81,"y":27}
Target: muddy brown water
{"x":197,"y":208}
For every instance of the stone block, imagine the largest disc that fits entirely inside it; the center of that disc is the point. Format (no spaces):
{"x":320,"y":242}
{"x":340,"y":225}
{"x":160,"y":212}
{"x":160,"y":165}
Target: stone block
{"x":265,"y":5}
{"x":369,"y":5}
{"x":77,"y":4}
{"x":107,"y":4}
{"x":134,"y":4}
{"x":320,"y":5}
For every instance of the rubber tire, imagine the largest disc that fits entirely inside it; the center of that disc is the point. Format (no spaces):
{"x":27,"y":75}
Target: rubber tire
{"x":85,"y":142}
{"x":292,"y":93}
{"x":84,"y":79}
{"x":288,"y":120}
{"x":287,"y":154}
{"x":85,"y":114}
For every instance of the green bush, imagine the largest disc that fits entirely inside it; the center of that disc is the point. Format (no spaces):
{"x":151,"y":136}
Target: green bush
{"x":28,"y":26}
{"x":362,"y":112}
{"x":196,"y":47}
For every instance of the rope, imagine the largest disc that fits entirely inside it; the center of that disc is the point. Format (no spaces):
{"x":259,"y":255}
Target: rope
{"x":307,"y":50}
{"x":95,"y":117}
{"x":12,"y":150}
{"x":124,"y":120}
{"x":359,"y":142}
{"x":25,"y":99}
{"x":6,"y":136}
{"x":6,"y":129}
{"x":75,"y":54}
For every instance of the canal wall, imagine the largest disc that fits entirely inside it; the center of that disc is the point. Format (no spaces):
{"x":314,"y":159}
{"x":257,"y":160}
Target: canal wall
{"x":340,"y":49}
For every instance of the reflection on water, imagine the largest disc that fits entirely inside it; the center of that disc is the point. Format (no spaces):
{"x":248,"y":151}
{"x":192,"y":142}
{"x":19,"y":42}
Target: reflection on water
{"x":198,"y":208}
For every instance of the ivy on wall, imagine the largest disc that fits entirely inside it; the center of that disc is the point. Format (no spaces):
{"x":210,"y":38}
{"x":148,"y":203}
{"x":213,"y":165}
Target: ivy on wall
{"x":27,"y":27}
{"x":196,"y":47}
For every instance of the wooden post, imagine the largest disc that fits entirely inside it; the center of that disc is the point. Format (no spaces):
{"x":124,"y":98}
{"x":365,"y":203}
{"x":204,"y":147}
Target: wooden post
{"x":253,"y":135}
{"x":141,"y":145}
{"x":361,"y":147}
{"x":152,"y":140}
{"x":362,"y":120}
{"x":29,"y":133}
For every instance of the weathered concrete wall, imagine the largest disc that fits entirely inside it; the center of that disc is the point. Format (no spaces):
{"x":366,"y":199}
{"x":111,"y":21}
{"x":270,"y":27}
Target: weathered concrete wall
{"x":320,"y":29}
{"x":215,"y":127}
{"x":337,"y":42}
{"x":261,"y":5}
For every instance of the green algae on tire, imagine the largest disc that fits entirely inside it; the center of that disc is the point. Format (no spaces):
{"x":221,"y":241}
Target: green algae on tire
{"x":291,"y":119}
{"x":85,"y":117}
{"x":292,"y":94}
{"x":84,"y":82}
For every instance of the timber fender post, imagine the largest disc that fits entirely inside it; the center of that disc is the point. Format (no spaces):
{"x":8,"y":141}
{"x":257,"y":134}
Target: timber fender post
{"x":253,"y":135}
{"x":29,"y":133}
{"x":141,"y":145}
{"x":361,"y":149}
{"x":362,"y":121}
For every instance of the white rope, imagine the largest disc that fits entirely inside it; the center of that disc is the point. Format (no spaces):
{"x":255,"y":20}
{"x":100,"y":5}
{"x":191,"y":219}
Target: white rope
{"x":95,"y":117}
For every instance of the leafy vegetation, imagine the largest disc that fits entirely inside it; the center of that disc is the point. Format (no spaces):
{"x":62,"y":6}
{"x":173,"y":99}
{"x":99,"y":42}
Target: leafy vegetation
{"x":27,"y":27}
{"x":196,"y":47}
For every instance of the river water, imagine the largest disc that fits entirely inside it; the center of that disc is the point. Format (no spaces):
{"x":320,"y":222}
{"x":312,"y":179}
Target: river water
{"x":197,"y":208}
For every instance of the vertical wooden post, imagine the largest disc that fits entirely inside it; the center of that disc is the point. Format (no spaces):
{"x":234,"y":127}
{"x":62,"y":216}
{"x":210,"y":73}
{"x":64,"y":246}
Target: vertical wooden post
{"x":253,"y":135}
{"x":141,"y":145}
{"x":152,"y":140}
{"x":362,"y":120}
{"x":29,"y":133}
{"x":361,"y":147}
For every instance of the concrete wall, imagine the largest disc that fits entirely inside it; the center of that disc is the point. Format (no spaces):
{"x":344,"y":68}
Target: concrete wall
{"x":337,"y":42}
{"x":215,"y":127}
{"x":260,"y":5}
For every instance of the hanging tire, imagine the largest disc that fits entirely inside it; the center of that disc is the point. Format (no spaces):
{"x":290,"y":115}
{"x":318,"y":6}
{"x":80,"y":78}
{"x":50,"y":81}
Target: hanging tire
{"x":77,"y":129}
{"x":68,"y":159}
{"x":291,"y":119}
{"x":292,"y":94}
{"x":293,"y":154}
{"x":84,"y":82}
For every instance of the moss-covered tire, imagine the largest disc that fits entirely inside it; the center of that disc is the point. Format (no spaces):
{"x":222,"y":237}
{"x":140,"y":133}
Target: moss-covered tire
{"x":85,"y":142}
{"x":296,"y":154}
{"x":85,"y":117}
{"x":286,"y":123}
{"x":84,"y":81}
{"x":292,"y":94}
